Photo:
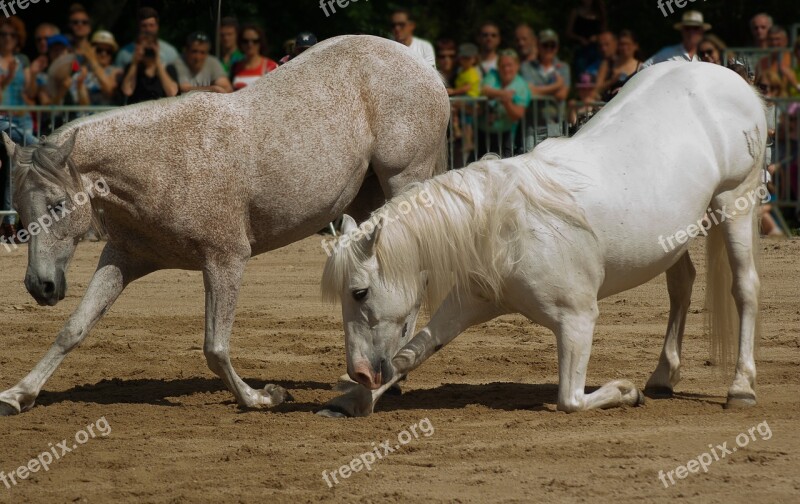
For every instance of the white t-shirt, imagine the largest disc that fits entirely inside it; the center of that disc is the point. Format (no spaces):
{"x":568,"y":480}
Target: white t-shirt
{"x":424,"y":50}
{"x":670,"y":53}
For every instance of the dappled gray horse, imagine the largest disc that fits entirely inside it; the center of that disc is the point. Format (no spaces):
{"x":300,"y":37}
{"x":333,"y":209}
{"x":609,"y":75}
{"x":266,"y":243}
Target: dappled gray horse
{"x":205,"y":181}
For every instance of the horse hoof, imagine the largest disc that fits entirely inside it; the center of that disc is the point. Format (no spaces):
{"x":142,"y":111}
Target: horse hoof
{"x":640,"y":398}
{"x":659,"y":392}
{"x":744,"y":401}
{"x":276,"y":394}
{"x":7,"y":410}
{"x":333,"y":412}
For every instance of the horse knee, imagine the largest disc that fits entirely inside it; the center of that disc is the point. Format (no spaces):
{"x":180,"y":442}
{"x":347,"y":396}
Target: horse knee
{"x":70,"y":336}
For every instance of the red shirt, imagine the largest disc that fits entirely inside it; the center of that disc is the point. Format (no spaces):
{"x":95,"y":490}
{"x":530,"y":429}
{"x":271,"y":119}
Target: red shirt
{"x":243,"y":77}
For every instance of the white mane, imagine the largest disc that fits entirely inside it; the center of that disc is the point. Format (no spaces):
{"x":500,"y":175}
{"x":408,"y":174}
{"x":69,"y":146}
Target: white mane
{"x":469,"y":234}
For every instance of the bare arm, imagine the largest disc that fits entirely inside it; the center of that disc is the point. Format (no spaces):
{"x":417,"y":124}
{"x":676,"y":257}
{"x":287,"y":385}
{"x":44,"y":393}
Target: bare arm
{"x":129,"y":82}
{"x":169,"y":85}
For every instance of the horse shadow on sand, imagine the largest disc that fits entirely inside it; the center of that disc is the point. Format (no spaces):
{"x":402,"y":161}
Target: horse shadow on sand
{"x":505,"y":396}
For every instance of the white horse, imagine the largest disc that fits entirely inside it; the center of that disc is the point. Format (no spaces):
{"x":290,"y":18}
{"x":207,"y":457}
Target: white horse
{"x":549,"y":233}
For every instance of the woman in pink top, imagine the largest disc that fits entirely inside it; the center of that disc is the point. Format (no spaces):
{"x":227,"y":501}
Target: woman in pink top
{"x":253,"y":44}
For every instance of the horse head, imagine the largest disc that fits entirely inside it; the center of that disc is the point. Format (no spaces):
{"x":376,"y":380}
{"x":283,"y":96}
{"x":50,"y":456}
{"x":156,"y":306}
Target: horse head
{"x":52,"y":202}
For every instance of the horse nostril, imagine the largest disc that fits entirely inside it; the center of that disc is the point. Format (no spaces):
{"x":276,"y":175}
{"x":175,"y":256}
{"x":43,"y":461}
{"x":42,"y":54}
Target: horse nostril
{"x":363,"y":378}
{"x":49,"y":287}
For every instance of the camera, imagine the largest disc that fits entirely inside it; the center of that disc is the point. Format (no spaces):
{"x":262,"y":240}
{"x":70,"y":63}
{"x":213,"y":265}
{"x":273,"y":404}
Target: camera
{"x":149,"y":52}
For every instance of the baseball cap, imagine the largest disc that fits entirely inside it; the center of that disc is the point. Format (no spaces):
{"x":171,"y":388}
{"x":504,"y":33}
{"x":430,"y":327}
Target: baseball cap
{"x":467,"y":50}
{"x":548,"y":36}
{"x":58,"y":39}
{"x":305,"y":39}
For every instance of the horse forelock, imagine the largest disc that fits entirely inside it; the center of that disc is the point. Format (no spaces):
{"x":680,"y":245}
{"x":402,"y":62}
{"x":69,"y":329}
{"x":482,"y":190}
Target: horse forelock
{"x":43,"y":159}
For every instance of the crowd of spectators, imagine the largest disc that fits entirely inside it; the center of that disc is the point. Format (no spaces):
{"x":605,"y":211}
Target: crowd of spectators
{"x":82,"y":66}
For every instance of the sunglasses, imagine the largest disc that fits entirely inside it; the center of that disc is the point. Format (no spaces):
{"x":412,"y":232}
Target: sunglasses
{"x":447,"y":56}
{"x":79,"y":22}
{"x":549,"y":45}
{"x":8,"y":34}
{"x":490,"y":35}
{"x":709,"y":52}
{"x":103,"y":50}
{"x":250,"y":41}
{"x":401,"y":24}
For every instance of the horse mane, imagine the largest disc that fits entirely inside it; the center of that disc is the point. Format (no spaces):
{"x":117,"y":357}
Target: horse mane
{"x":471,"y":233}
{"x":44,"y":160}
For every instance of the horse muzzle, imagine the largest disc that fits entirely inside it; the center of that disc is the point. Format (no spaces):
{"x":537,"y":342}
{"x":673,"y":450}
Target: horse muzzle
{"x":46,"y":291}
{"x":372,"y":375}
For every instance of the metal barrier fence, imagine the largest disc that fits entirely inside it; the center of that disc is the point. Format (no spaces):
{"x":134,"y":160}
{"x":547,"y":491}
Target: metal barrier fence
{"x":477,"y":126}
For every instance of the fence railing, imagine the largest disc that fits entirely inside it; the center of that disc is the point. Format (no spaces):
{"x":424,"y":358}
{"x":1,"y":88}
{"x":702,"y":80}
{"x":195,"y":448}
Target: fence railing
{"x":477,"y":126}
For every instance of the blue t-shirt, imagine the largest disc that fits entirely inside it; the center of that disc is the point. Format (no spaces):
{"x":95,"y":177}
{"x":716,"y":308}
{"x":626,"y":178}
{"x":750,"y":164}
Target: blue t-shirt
{"x":522,"y":97}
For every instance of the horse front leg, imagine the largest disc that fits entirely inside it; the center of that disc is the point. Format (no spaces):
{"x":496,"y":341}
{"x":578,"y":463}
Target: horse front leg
{"x":458,"y":312}
{"x":574,"y":335}
{"x":222,"y":282}
{"x":114,"y":271}
{"x":680,"y":279}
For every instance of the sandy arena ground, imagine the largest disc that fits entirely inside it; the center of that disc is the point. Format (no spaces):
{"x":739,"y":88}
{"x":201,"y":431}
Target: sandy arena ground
{"x":177,"y":436}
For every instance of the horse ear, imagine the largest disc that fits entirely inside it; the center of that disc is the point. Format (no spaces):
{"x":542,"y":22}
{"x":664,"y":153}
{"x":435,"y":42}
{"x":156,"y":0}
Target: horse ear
{"x":11,"y":147}
{"x":349,"y":224}
{"x":65,"y":150}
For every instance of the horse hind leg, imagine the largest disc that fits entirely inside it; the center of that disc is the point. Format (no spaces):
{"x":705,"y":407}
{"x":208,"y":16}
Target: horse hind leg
{"x":680,"y":279}
{"x":222,"y":281}
{"x":741,"y":237}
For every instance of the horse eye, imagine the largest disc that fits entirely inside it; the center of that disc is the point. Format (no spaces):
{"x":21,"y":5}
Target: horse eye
{"x":360,"y":294}
{"x":60,"y":205}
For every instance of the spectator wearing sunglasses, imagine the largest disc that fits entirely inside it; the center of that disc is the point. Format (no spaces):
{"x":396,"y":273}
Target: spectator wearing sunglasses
{"x":549,"y":76}
{"x":97,"y":81}
{"x":80,"y":25}
{"x":710,"y":49}
{"x":148,"y":24}
{"x":200,"y":71}
{"x":692,"y":28}
{"x":403,"y":26}
{"x":255,"y":64}
{"x":488,"y":42}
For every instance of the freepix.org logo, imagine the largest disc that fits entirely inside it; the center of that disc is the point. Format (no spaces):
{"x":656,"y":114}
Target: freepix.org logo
{"x":10,"y":9}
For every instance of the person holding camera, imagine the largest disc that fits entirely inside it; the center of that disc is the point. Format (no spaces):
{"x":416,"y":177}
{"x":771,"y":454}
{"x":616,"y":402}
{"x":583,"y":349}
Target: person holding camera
{"x":147,"y":78}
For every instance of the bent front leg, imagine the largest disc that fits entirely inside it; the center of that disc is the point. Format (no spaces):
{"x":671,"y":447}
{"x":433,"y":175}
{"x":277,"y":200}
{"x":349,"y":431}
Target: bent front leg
{"x":574,"y":340}
{"x":222,"y":282}
{"x":680,"y":279}
{"x":458,"y":312}
{"x":114,"y":271}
